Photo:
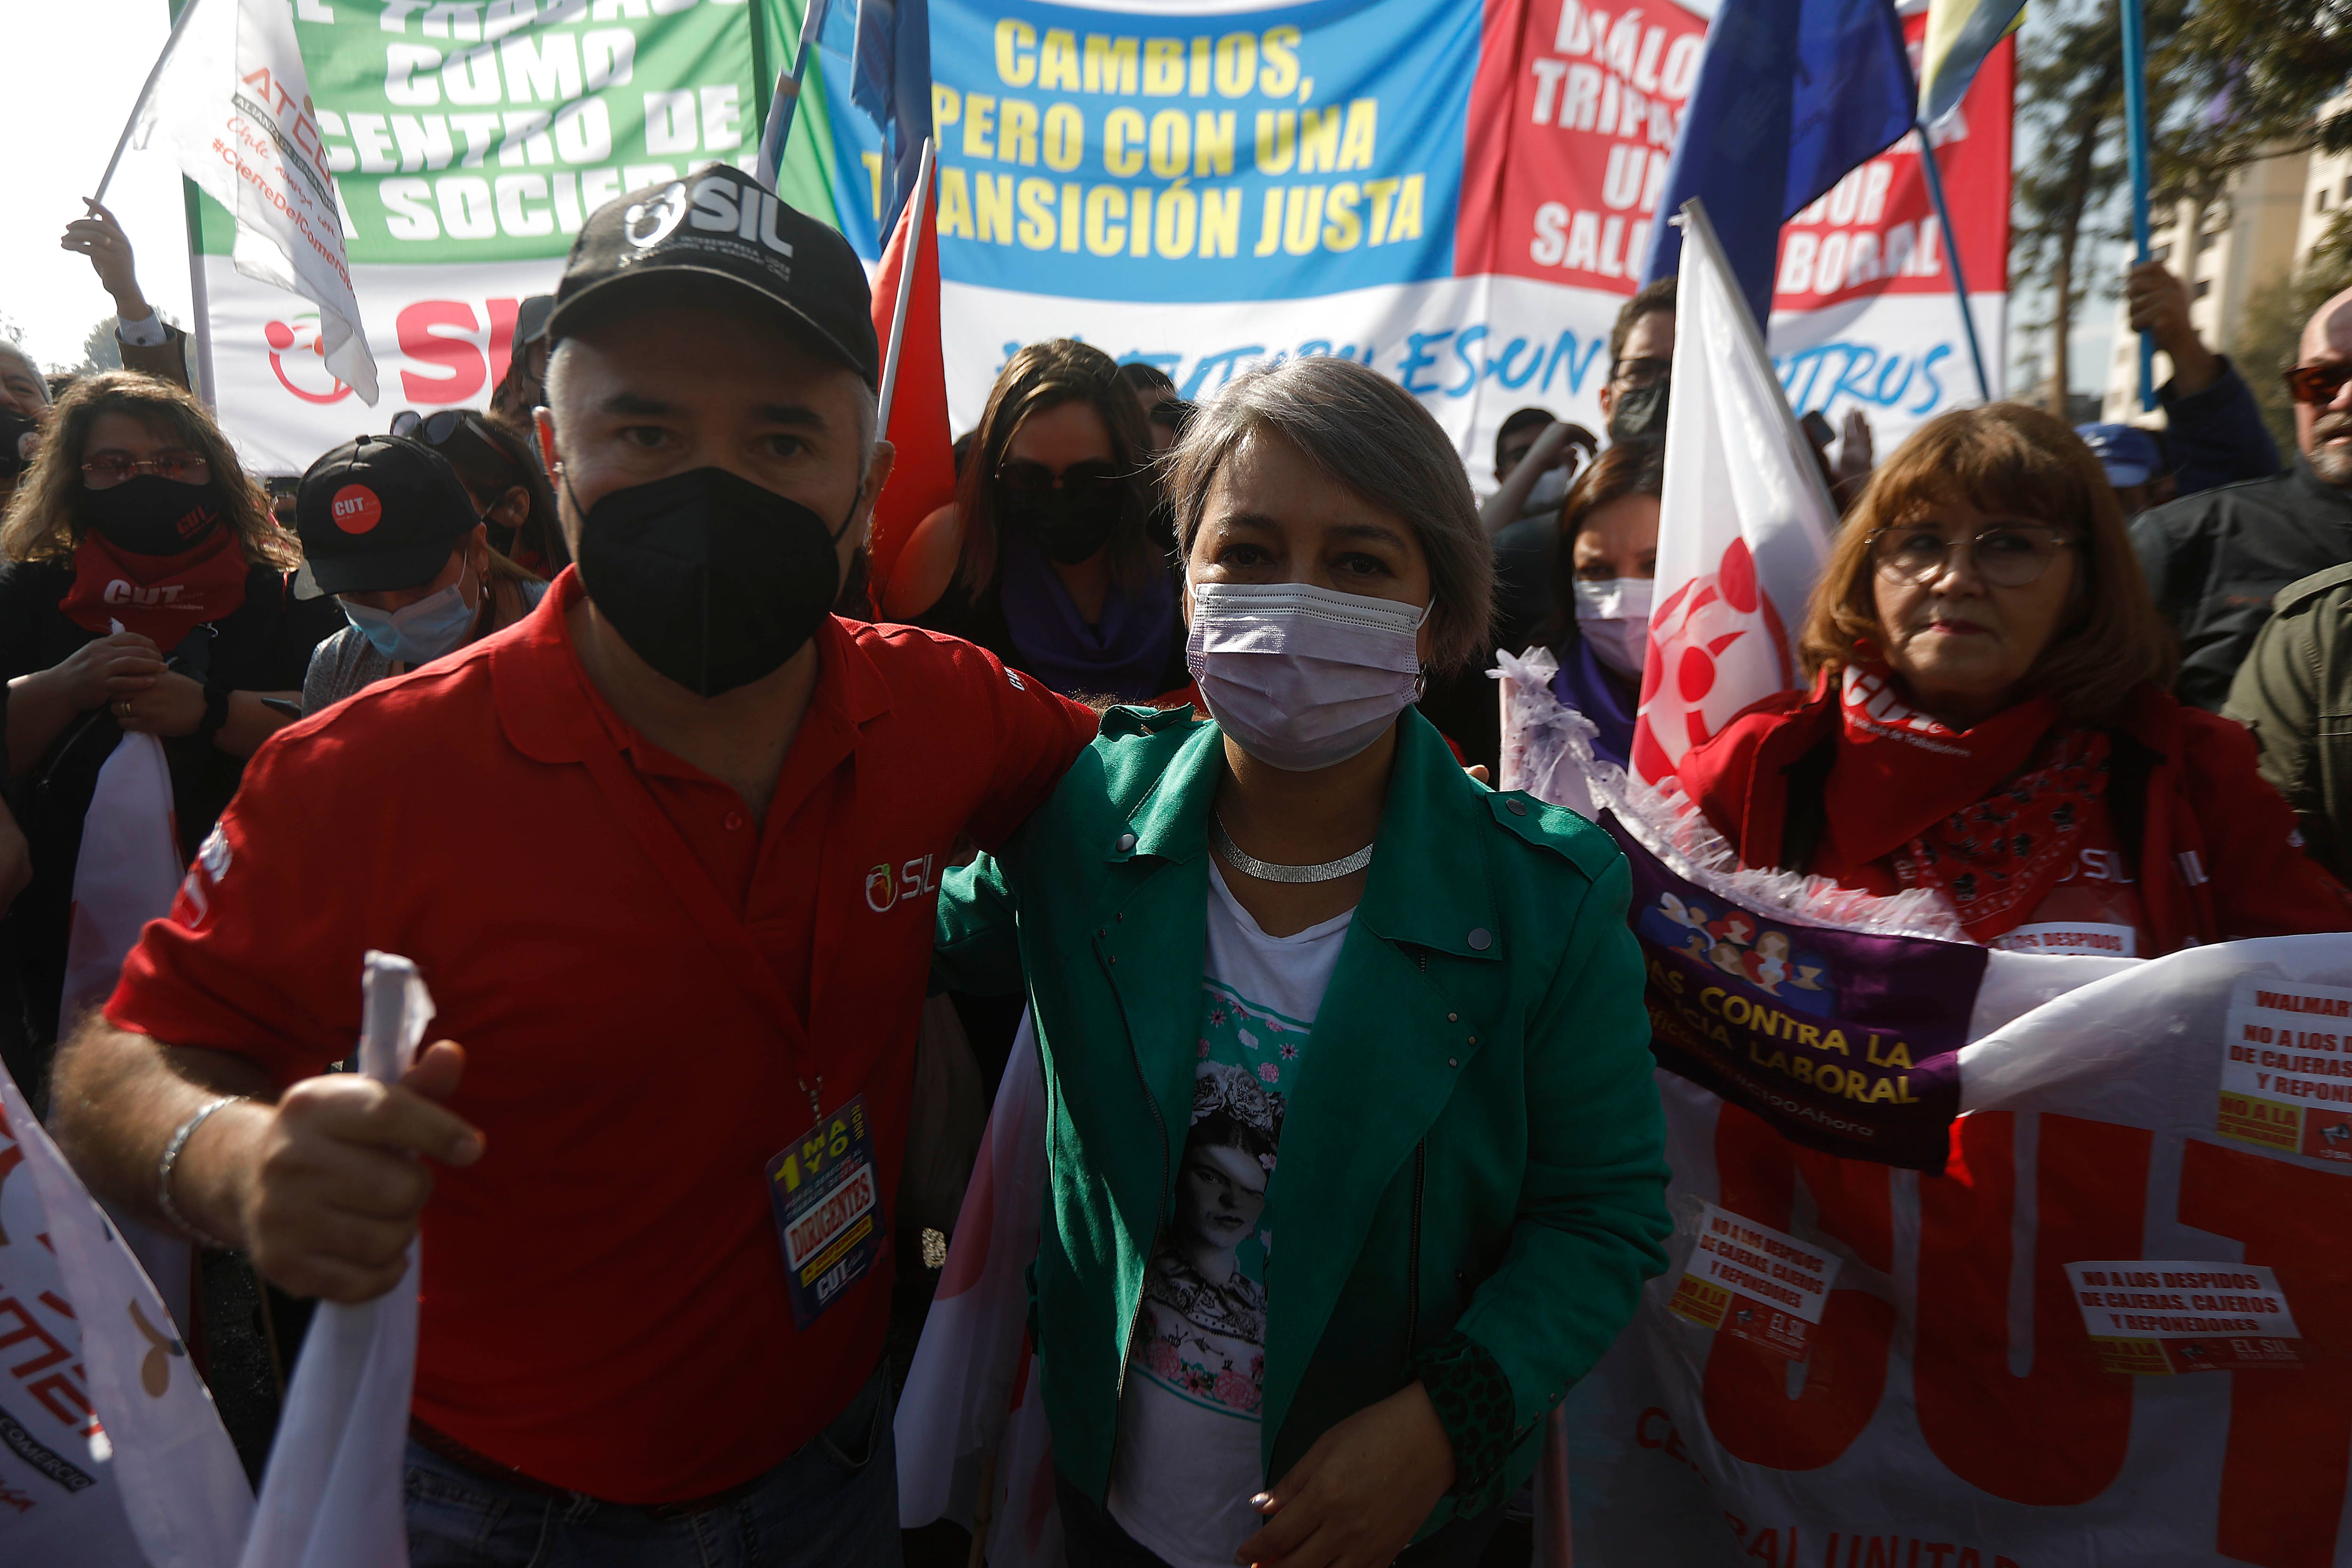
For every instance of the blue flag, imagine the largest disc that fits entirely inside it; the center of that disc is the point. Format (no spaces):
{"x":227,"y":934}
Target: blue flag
{"x":1791,"y":94}
{"x":890,"y":51}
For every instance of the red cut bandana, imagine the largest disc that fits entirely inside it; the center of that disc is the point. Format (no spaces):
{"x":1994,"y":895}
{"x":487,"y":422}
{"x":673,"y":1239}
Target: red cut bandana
{"x":1990,"y":816}
{"x":163,"y":597}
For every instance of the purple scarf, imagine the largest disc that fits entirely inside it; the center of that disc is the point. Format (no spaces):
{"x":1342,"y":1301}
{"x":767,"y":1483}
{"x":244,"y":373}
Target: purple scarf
{"x":1598,"y":692}
{"x":1126,"y":657}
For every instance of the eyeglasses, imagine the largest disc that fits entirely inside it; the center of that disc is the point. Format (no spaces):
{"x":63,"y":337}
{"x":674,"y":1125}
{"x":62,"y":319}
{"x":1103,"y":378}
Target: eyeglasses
{"x":1637,"y":373}
{"x":2008,"y":556}
{"x":107,"y":469}
{"x":1086,"y":478}
{"x":2317,"y":383}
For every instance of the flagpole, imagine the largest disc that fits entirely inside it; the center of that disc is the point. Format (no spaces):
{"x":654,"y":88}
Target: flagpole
{"x":919,"y":204}
{"x":139,"y":104}
{"x":782,"y":108}
{"x":1952,"y":254}
{"x":2135,"y":143}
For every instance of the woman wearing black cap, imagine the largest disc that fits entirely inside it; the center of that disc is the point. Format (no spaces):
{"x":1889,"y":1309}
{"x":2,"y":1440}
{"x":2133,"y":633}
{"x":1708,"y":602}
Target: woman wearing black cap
{"x":389,"y":531}
{"x":146,"y":590}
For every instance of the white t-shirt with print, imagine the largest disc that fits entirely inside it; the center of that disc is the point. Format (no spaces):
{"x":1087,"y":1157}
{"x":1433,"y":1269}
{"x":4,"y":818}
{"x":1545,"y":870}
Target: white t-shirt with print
{"x":1187,"y":1462}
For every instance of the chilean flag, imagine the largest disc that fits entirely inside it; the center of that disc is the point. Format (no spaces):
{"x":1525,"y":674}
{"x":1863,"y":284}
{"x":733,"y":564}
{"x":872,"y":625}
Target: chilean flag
{"x":922,"y":480}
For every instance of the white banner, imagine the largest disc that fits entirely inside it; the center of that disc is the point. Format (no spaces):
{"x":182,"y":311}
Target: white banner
{"x":233,"y":101}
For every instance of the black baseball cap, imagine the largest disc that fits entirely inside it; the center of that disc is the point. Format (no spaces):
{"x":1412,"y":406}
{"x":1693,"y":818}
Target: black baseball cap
{"x":721,"y":224}
{"x":530,"y":318}
{"x":379,"y":513}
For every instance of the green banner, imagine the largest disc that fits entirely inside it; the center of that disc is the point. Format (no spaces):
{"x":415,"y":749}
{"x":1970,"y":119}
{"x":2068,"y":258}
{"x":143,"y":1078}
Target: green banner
{"x":483,"y":130}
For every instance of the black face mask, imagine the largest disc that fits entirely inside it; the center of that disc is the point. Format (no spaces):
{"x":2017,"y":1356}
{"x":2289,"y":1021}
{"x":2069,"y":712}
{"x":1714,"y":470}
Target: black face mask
{"x":712,"y":579}
{"x":1068,"y":525}
{"x":150,"y":515}
{"x":1640,"y":414}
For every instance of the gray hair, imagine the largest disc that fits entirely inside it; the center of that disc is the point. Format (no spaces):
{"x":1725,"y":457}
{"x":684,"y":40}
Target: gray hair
{"x":1373,"y":438}
{"x":10,"y":351}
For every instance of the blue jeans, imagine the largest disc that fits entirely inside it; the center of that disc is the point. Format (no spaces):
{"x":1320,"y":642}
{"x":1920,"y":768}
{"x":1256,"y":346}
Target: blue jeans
{"x":835,"y":1504}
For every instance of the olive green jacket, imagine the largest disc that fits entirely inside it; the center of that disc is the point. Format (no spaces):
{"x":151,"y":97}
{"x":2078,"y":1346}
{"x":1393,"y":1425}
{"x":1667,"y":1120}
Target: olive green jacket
{"x":2294,"y":692}
{"x":1476,"y":1145}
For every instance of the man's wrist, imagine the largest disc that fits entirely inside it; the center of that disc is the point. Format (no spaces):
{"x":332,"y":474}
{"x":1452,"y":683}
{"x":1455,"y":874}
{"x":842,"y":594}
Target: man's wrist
{"x":209,"y":1180}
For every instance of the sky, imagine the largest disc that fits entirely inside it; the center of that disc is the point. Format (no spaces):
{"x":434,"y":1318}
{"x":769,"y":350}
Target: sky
{"x":51,"y":297}
{"x":73,"y":114}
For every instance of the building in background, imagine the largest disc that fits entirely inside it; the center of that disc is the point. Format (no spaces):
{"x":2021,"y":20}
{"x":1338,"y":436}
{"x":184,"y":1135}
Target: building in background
{"x":2269,"y":218}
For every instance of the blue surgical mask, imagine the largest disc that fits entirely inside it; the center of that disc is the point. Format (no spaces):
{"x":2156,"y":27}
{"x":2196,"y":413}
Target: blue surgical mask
{"x":418,"y":633}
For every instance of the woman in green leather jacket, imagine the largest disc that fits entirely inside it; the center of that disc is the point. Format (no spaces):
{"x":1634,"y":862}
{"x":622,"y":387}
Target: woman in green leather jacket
{"x":1297,"y":938}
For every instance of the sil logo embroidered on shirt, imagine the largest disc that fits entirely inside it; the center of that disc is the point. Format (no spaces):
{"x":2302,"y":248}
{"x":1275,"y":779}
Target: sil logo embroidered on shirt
{"x":885,"y":891}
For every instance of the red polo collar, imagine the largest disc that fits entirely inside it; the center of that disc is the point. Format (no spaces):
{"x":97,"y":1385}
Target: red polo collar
{"x":552,"y":711}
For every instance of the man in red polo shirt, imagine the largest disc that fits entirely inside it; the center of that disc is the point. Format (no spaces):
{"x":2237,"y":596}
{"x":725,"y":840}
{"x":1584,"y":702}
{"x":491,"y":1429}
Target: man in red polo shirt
{"x":666,"y":852}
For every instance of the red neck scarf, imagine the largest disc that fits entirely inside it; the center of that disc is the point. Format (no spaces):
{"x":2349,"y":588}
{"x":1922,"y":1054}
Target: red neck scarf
{"x":162,"y":597}
{"x":1988,"y":816}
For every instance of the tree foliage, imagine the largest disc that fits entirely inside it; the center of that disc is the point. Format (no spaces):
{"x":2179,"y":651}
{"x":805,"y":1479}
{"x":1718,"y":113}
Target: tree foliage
{"x":2227,"y":81}
{"x":100,"y":350}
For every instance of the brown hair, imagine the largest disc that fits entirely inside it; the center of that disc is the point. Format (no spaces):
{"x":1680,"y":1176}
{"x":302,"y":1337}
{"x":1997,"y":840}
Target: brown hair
{"x":1658,"y":296}
{"x":1626,"y":468}
{"x":1046,"y":375}
{"x":44,"y":519}
{"x":2011,"y":459}
{"x":1368,"y":435}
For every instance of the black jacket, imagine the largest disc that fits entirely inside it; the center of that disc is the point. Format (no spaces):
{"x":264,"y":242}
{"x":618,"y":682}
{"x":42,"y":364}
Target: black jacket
{"x":2215,"y":561}
{"x":2217,"y":436}
{"x":263,"y":645}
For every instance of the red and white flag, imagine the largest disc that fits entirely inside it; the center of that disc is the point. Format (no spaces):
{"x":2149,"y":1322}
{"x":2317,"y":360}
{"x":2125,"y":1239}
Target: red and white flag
{"x":232,"y":98}
{"x":1743,"y":528}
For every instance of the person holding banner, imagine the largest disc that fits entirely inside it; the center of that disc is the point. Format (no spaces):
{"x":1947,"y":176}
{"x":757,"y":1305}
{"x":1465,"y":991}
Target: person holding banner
{"x":1297,"y":931}
{"x":1989,"y":718}
{"x":662,"y":1141}
{"x":1046,"y":558}
{"x":146,"y":341}
{"x":146,"y":588}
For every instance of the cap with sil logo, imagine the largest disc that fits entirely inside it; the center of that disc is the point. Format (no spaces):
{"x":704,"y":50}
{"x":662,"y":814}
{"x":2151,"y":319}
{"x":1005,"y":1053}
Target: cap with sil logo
{"x":379,"y":513}
{"x":719,"y":223}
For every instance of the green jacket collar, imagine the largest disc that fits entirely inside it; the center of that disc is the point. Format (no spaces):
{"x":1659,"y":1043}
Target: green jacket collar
{"x":1421,"y":891}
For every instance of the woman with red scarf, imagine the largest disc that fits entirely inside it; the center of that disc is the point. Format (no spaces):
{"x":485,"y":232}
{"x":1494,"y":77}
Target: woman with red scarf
{"x":144,"y":589}
{"x":1990,"y":717}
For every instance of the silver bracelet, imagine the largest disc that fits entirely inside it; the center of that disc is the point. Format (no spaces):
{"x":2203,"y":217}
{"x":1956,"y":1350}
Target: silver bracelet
{"x":163,"y":1167}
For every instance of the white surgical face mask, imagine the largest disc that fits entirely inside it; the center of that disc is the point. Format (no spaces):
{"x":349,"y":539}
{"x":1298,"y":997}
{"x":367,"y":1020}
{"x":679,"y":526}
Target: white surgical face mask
{"x":1302,"y":677}
{"x":1614,"y":617}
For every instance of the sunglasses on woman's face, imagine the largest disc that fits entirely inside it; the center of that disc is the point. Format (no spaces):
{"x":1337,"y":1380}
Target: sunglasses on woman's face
{"x":2319,"y":384}
{"x":1088,"y":478}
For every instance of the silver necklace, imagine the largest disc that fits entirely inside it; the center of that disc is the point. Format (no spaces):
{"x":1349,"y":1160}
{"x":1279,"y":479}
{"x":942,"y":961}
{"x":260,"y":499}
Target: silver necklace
{"x":1250,"y":865}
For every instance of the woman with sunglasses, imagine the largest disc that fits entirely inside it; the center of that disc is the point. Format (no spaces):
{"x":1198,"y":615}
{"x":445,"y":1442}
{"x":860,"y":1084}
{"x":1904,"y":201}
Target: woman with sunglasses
{"x":1989,"y":719}
{"x":146,"y":589}
{"x":1045,"y":558}
{"x":502,"y":473}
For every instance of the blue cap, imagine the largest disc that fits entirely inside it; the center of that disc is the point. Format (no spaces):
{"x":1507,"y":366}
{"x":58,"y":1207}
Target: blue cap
{"x":2130,"y":455}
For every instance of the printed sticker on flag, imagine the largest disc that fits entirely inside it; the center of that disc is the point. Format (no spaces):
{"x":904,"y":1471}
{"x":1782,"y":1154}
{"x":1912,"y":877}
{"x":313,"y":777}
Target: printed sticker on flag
{"x":2286,"y":1070}
{"x":2159,"y":1318}
{"x":1754,"y":1283}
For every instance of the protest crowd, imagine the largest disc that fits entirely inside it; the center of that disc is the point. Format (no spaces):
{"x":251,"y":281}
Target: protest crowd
{"x":1160,"y":768}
